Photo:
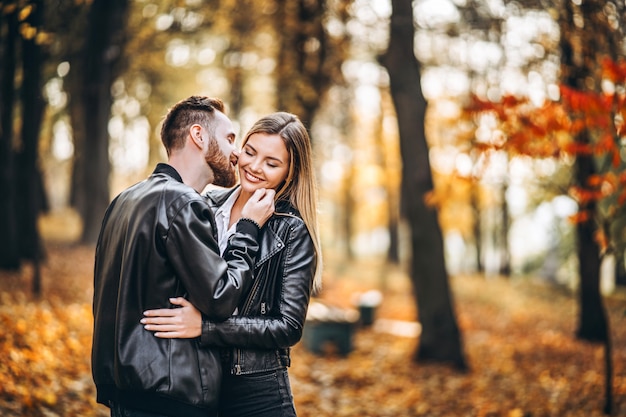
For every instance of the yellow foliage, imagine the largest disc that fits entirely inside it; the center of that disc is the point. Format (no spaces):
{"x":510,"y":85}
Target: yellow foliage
{"x":519,"y":340}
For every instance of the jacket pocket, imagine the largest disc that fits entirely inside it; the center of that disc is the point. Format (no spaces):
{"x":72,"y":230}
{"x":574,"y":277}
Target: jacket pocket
{"x":195,"y":373}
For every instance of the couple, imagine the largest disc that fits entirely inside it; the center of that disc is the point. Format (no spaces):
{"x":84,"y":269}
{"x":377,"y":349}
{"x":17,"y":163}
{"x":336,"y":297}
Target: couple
{"x":176,"y":325}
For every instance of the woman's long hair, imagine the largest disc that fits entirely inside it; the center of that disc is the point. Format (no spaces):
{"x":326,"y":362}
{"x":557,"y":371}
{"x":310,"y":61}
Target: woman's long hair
{"x":300,"y":186}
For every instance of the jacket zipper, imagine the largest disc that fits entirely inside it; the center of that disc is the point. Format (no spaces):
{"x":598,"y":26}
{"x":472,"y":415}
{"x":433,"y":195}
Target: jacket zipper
{"x":245,"y":310}
{"x":246,"y":307}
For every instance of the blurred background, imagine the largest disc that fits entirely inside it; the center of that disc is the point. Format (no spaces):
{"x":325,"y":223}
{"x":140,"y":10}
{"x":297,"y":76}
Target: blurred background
{"x":463,"y":148}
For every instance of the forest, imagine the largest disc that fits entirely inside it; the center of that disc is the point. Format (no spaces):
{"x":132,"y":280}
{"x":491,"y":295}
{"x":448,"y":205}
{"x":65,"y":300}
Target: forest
{"x":471,"y":164}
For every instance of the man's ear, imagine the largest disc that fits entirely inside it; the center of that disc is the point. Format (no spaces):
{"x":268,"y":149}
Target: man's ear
{"x":195,"y":132}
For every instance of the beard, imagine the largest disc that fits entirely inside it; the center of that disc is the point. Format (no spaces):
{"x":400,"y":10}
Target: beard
{"x":223,"y":171}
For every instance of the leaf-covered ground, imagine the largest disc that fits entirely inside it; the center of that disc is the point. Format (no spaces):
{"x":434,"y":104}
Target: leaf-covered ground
{"x":517,"y":335}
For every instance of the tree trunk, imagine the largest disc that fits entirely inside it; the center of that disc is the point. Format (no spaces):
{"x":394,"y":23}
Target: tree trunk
{"x":101,"y":56}
{"x":393,"y":253}
{"x":505,"y":254}
{"x":297,"y":70}
{"x":477,"y":228}
{"x":309,"y":60}
{"x":574,"y":61}
{"x":592,"y":319}
{"x":31,"y":194}
{"x":582,"y":45}
{"x":393,"y":212}
{"x":440,"y":340}
{"x":347,"y":208}
{"x":9,"y":255}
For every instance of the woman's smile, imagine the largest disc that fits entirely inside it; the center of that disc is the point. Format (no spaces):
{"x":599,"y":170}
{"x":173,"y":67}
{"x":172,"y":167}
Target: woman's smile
{"x":252,"y":178}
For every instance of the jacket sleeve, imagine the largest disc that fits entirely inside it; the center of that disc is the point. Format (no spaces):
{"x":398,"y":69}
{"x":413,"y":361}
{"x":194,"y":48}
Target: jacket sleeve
{"x":213,"y":284}
{"x":280,"y":331}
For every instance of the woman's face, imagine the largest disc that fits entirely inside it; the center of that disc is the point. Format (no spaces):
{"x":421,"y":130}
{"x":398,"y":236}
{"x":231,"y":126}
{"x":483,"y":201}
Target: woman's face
{"x":263,"y":162}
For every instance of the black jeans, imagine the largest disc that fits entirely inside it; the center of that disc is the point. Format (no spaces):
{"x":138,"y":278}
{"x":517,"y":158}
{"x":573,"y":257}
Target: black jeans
{"x":266,"y":394}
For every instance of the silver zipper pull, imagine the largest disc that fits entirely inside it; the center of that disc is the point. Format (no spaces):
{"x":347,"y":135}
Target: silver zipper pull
{"x":263,"y":310}
{"x":237,"y":369}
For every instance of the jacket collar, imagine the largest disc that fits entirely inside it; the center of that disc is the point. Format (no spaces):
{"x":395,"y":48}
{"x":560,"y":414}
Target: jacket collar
{"x":168,"y":170}
{"x":217,"y":197}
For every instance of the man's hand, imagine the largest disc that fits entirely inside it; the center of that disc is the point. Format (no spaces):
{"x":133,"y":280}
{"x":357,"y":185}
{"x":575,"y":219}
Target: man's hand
{"x":260,"y":206}
{"x":174,"y":323}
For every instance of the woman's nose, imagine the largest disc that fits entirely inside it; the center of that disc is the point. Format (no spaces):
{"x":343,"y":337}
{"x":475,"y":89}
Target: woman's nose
{"x":255,"y":165}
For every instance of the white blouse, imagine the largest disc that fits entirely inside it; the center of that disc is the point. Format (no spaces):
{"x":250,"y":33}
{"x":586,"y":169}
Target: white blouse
{"x":222,"y":219}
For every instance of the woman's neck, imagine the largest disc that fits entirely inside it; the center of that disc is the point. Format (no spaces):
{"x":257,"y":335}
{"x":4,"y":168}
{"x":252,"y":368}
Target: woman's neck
{"x":235,"y":212}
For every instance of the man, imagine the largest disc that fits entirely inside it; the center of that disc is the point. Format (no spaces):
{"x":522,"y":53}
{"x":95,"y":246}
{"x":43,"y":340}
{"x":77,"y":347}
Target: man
{"x":158,"y":240}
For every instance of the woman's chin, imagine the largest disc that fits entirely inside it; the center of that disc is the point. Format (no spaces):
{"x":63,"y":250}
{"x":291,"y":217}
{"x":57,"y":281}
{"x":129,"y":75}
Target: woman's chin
{"x":250,"y":187}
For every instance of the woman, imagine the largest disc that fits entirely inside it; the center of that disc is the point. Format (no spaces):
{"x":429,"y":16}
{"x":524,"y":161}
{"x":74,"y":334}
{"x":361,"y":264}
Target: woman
{"x":276,"y":153}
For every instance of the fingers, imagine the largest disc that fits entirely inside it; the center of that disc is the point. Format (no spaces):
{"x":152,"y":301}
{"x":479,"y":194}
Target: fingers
{"x":169,"y":331}
{"x":161,"y":312}
{"x":180,"y":301}
{"x":266,"y":195}
{"x":168,"y":312}
{"x":258,"y":194}
{"x":162,"y":328}
{"x":160,"y":320}
{"x":168,"y":335}
{"x":260,"y":206}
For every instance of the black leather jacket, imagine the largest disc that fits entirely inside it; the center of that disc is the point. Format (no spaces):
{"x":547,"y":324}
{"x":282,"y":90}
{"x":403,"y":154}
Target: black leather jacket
{"x":271,"y":317}
{"x":158,"y":241}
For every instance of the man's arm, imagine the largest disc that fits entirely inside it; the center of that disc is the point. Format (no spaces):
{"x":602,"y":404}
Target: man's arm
{"x":214,"y":284}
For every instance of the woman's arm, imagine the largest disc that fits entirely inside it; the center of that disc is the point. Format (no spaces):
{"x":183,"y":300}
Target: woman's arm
{"x":273,"y":331}
{"x":250,"y":332}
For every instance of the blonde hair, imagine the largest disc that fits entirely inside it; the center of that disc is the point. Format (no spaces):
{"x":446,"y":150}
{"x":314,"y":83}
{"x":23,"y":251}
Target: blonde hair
{"x":300,"y":186}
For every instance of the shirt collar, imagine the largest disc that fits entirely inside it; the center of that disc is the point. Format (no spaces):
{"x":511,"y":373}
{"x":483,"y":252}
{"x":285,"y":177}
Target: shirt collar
{"x":226,"y":207}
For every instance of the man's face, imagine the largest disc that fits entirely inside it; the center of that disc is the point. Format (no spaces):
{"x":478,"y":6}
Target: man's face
{"x":222,"y":154}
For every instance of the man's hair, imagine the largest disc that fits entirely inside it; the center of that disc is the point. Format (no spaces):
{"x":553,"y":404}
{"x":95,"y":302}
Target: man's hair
{"x":180,"y":117}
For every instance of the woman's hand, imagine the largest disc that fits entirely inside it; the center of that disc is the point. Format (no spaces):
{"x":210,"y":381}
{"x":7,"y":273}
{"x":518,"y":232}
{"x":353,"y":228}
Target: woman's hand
{"x":174,"y":323}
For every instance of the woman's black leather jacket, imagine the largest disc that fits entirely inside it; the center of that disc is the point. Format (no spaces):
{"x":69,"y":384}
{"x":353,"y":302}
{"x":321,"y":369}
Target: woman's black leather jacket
{"x":271,"y":317}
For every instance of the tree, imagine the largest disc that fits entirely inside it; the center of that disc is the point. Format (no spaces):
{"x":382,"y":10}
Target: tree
{"x":586,"y":127}
{"x":440,"y":340}
{"x":598,"y":119}
{"x":30,"y":191}
{"x":580,"y":49}
{"x":21,"y":183}
{"x":309,"y":56}
{"x":97,"y":67}
{"x":9,"y":255}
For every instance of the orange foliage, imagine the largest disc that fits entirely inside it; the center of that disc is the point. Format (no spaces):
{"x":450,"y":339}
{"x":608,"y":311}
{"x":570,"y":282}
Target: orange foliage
{"x":518,"y":337}
{"x":553,"y":129}
{"x":614,"y":71}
